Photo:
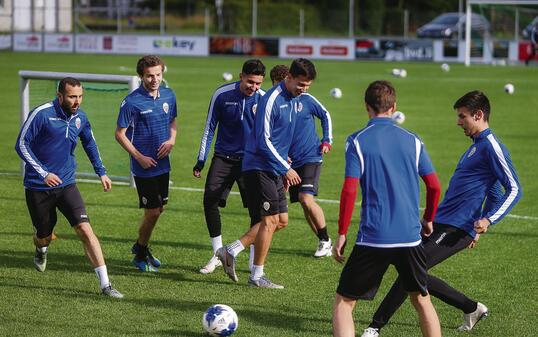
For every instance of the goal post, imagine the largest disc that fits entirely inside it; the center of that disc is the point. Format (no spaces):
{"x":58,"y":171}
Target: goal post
{"x":485,"y":2}
{"x":114,"y":87}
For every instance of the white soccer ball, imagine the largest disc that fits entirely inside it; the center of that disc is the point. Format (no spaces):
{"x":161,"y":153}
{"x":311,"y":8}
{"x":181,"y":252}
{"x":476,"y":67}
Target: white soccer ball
{"x":403,"y":73}
{"x":220,"y":320}
{"x":445,"y":67}
{"x":398,"y":117}
{"x":509,"y":88}
{"x":227,"y":76}
{"x":396,"y":72}
{"x":336,"y":93}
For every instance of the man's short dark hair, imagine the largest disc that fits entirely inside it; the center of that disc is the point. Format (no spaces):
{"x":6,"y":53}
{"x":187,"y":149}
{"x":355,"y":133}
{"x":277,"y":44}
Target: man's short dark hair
{"x":474,"y":101}
{"x":68,"y":80}
{"x":253,"y":67}
{"x":279,"y":73}
{"x":303,"y":67}
{"x":380,"y":96}
{"x":147,"y":62}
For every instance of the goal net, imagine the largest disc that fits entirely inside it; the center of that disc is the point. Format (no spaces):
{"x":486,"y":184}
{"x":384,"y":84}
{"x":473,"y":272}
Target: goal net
{"x":102,"y":97}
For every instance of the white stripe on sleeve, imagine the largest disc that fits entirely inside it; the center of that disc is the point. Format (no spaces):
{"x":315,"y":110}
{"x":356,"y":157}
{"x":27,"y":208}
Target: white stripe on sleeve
{"x":22,"y":145}
{"x":266,"y":133}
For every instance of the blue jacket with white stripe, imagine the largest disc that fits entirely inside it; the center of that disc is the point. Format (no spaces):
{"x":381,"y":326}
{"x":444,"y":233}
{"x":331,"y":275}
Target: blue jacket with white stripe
{"x":233,"y":113}
{"x":269,"y":142}
{"x":388,"y":161}
{"x":485,"y":162}
{"x":47,"y":142}
{"x":305,"y":146}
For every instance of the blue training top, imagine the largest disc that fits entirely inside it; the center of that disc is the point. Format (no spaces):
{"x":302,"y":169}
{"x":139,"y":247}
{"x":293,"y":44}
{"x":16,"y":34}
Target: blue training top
{"x":305,"y":146}
{"x":478,"y":173}
{"x":47,"y":143}
{"x":148,"y":126}
{"x":269,"y":142}
{"x":234,"y":113}
{"x":388,"y":160}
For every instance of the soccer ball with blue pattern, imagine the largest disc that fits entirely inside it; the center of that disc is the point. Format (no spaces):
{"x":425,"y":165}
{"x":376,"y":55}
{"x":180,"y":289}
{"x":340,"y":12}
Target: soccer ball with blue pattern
{"x":220,"y":320}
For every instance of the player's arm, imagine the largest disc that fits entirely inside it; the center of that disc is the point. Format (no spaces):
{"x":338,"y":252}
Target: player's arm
{"x":124,"y":119}
{"x":433,"y":192}
{"x":29,"y":131}
{"x":347,"y":197}
{"x":326,"y":126}
{"x":207,"y":136}
{"x":502,"y":167}
{"x":90,"y":147}
{"x":166,"y":147}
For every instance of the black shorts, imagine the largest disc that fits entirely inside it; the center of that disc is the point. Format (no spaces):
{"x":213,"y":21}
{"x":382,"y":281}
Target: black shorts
{"x":265,"y":194}
{"x":152,"y":191}
{"x":309,"y":174}
{"x":363,"y":272}
{"x":42,"y":206}
{"x":223,"y":173}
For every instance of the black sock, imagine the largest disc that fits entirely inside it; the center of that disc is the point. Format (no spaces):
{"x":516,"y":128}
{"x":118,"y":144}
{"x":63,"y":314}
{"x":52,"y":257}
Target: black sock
{"x":322,"y":234}
{"x":142,"y":251}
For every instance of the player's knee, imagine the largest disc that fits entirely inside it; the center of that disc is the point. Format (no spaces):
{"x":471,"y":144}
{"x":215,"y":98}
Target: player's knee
{"x":153,"y":213}
{"x":281,"y":224}
{"x":84,"y":231}
{"x":306,"y":200}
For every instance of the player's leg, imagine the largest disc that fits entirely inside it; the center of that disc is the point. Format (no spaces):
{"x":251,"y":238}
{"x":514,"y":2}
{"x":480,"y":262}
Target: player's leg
{"x":410,"y":262}
{"x":72,"y":206}
{"x":153,"y":195}
{"x":42,"y":209}
{"x":360,"y":279}
{"x":218,"y":183}
{"x":274,"y":203}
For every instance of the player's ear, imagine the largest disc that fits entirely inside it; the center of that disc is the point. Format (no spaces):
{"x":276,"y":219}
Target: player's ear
{"x":478,"y":115}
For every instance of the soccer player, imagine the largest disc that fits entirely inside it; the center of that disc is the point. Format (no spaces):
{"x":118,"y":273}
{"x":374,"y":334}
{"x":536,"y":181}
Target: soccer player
{"x":387,"y":160}
{"x":146,"y":129}
{"x":461,"y":218}
{"x":232,"y":109}
{"x":47,"y":144}
{"x":305,"y":153}
{"x":534,"y":43}
{"x":267,"y":172}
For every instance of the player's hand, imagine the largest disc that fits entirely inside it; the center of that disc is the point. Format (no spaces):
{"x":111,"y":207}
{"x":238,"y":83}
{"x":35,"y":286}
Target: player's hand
{"x":325,"y":147}
{"x":474,"y":242}
{"x":286,"y":184}
{"x":197,"y":169}
{"x":146,"y":162}
{"x":292,"y":177}
{"x":52,"y":180}
{"x":339,"y":247}
{"x":165,"y":149}
{"x":481,"y":226}
{"x":106,"y":182}
{"x":427,"y":228}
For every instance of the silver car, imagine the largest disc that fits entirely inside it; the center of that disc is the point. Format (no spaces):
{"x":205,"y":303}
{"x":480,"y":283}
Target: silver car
{"x":445,"y":26}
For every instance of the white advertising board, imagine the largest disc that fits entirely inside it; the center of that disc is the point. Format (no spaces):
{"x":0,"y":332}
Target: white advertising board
{"x":335,"y":49}
{"x":59,"y":43}
{"x":27,"y":42}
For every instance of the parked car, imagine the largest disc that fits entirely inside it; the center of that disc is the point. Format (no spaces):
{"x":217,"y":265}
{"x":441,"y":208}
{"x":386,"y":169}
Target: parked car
{"x":445,"y":26}
{"x":527,"y":30}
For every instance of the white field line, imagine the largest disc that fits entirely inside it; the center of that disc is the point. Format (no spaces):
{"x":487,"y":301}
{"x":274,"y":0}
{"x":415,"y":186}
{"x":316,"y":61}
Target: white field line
{"x":324,"y":201}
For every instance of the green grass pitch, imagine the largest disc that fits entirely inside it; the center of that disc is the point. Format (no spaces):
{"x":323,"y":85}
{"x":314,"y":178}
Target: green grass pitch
{"x":501,"y":272}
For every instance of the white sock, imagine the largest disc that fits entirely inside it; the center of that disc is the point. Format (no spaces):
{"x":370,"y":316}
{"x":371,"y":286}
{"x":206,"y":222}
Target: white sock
{"x":257,"y":272}
{"x":235,"y":248}
{"x":251,"y":258}
{"x":42,"y":249}
{"x":102,"y":275}
{"x":216,"y":242}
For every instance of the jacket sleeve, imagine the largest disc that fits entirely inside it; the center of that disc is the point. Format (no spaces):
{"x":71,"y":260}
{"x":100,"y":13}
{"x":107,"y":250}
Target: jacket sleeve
{"x":494,"y":195}
{"x":326,"y":121}
{"x":28,"y":133}
{"x":209,"y":129}
{"x":90,"y":147}
{"x":501,"y":166}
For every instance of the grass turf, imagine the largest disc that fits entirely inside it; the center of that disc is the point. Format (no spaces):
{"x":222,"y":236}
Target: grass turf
{"x":500,"y":272}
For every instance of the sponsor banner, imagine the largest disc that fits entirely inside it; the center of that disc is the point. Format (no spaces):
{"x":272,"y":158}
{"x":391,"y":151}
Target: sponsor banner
{"x":5,"y":42}
{"x":525,"y":49}
{"x":394,"y":50}
{"x":59,"y":43}
{"x":243,"y":46}
{"x":27,"y":42}
{"x":136,"y":44}
{"x":336,"y":49}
